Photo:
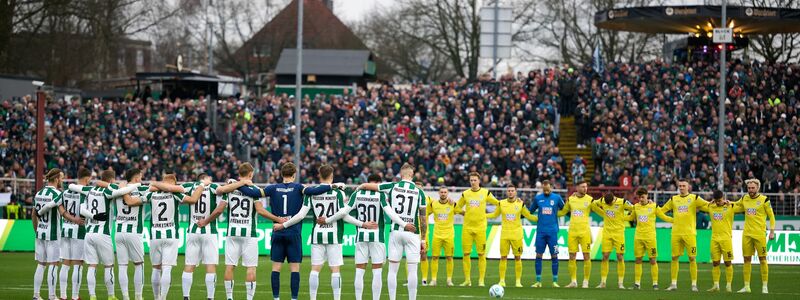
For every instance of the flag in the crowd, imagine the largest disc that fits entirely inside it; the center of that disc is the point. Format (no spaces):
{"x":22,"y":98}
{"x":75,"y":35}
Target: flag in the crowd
{"x":597,"y":60}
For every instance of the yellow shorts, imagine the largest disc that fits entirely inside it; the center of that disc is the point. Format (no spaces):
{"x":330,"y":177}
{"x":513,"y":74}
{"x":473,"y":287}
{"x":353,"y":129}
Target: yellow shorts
{"x":448,"y":244}
{"x":751,"y":245}
{"x":473,"y":235}
{"x":645,"y":246}
{"x":681,"y":242}
{"x":721,"y":248}
{"x":613,"y":242}
{"x":582,"y":239}
{"x":514,"y":245}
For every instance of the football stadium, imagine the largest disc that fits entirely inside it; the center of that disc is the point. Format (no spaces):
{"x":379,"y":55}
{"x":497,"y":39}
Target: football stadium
{"x":348,"y":149}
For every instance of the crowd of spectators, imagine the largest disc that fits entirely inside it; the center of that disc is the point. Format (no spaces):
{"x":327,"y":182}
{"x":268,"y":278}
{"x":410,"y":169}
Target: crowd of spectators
{"x":653,"y":122}
{"x":659,"y":122}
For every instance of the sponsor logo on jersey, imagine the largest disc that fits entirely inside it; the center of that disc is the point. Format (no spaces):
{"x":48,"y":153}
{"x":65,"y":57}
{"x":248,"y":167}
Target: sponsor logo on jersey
{"x":751,"y":211}
{"x":577,"y":213}
{"x":683,"y":209}
{"x":717,"y":216}
{"x":547,"y":210}
{"x":511,"y":217}
{"x":643,"y":219}
{"x":474,"y":203}
{"x":611,"y":213}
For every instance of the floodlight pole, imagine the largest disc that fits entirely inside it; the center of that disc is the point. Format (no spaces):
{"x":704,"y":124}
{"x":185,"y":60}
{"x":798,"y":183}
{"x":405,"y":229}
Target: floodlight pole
{"x":722,"y":96}
{"x":210,"y":38}
{"x":39,"y":172}
{"x":298,"y":81}
{"x":494,"y":36}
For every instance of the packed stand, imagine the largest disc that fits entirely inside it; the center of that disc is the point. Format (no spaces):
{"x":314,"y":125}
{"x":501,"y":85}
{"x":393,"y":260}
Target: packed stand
{"x":657,"y":122}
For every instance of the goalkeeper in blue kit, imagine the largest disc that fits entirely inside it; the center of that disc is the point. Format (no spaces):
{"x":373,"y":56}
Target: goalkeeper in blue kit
{"x":546,"y":205}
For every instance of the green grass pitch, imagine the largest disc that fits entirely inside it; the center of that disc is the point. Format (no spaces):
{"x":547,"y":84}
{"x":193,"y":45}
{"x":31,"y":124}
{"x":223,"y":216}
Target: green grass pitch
{"x":18,"y":269}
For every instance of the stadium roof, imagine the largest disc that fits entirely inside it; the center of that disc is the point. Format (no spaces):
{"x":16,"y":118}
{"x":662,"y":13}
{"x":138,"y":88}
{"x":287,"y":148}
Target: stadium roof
{"x":325,"y":62}
{"x":700,"y":18}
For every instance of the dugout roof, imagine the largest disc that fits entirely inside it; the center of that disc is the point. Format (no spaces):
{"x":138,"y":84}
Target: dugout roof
{"x":699,"y":18}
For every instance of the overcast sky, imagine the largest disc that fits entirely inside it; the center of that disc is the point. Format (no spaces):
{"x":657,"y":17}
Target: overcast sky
{"x":350,"y":11}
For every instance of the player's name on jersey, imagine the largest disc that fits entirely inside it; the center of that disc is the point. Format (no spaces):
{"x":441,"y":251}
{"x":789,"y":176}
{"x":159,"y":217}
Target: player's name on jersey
{"x":368,"y":199}
{"x":407,"y":219}
{"x":404,"y":191}
{"x":326,"y":197}
{"x":161,"y":197}
{"x":284,"y":190}
{"x":325,"y":226}
{"x":198,"y":218}
{"x":127,"y":218}
{"x":43,"y":226}
{"x":163,"y":225}
{"x":239,"y":221}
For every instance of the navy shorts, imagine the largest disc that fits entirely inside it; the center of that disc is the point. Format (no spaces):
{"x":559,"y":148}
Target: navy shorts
{"x":287,"y":248}
{"x":546,"y":239}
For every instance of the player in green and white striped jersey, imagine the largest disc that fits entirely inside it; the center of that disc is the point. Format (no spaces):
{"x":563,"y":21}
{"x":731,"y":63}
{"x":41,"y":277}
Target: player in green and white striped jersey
{"x":46,"y":226}
{"x":326,"y":238}
{"x":242,"y":239}
{"x":370,"y":206}
{"x":129,"y":236}
{"x":164,"y":242}
{"x":408,"y":201}
{"x":201,"y":239}
{"x":99,"y":249}
{"x":72,"y":235}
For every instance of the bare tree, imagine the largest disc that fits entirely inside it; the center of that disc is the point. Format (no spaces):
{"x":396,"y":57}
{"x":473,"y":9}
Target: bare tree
{"x":435,"y":33}
{"x":410,"y":58}
{"x":568,"y":34}
{"x":59,"y":39}
{"x":776,"y":47}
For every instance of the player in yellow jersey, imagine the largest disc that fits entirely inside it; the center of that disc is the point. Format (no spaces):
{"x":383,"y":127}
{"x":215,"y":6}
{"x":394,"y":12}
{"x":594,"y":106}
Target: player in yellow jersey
{"x":756,"y":209}
{"x":644,"y":213}
{"x":721,"y":212}
{"x":473,"y":204}
{"x":578,"y":206}
{"x":684,"y":208}
{"x":443,"y":211}
{"x":510,"y":210}
{"x":612,"y":209}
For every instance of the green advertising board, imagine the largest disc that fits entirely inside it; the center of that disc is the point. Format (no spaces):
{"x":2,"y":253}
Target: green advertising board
{"x":17,"y":235}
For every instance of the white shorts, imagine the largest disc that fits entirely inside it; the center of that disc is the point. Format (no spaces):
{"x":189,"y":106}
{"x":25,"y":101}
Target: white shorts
{"x":201,"y":248}
{"x":164,"y":252}
{"x":403,"y":241}
{"x":244,"y":248}
{"x":370,"y":251}
{"x":47,"y":251}
{"x":99,"y":249}
{"x":72,"y":249}
{"x":332,"y":253}
{"x":129,"y":248}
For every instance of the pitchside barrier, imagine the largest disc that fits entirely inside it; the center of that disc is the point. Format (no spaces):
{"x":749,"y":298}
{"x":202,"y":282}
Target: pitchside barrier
{"x":17,"y":235}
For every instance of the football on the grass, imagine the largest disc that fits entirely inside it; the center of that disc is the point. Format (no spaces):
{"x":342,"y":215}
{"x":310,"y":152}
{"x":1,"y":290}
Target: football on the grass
{"x":496,"y":291}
